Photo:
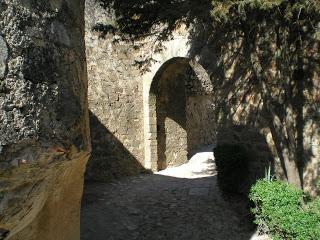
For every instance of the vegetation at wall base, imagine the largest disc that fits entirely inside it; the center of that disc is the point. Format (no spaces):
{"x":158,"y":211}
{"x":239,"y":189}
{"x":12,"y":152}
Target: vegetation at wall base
{"x":281,"y":211}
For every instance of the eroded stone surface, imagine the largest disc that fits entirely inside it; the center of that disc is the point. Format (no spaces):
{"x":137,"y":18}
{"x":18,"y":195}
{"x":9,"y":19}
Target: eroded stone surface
{"x":3,"y":57}
{"x":44,"y":139}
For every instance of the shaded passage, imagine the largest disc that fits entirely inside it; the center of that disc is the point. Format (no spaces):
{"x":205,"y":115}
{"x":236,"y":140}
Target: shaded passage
{"x":177,"y":203}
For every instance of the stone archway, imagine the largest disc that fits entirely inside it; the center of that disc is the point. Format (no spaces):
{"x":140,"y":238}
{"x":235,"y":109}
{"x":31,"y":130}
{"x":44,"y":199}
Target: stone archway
{"x":179,"y":101}
{"x":168,"y":88}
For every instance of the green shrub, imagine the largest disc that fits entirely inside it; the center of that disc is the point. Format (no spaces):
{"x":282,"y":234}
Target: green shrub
{"x":280,"y":211}
{"x":232,"y":168}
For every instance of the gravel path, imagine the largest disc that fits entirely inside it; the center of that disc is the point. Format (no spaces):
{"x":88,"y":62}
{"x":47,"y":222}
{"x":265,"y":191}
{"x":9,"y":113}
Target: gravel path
{"x":182,"y":203}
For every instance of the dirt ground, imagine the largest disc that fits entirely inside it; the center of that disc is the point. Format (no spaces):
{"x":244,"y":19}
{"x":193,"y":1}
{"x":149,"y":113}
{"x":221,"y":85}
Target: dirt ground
{"x":182,"y":203}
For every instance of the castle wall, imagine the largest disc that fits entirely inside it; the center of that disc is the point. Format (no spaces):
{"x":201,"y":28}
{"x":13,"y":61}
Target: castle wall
{"x":240,"y":84}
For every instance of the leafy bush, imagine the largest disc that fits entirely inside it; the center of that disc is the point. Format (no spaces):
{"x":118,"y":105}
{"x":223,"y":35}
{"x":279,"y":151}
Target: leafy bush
{"x":281,"y":212}
{"x":232,"y":167}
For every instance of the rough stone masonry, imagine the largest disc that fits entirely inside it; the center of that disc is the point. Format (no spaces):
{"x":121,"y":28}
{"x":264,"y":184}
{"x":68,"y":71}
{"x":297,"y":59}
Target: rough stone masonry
{"x":44,"y":139}
{"x":225,"y":101}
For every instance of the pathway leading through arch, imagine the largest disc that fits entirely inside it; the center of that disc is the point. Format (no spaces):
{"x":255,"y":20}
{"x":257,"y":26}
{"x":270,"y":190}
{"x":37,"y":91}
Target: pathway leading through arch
{"x":178,"y":113}
{"x":175,"y":204}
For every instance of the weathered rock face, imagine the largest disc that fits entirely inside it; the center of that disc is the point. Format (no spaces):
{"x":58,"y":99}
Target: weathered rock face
{"x":3,"y":57}
{"x":44,"y":137}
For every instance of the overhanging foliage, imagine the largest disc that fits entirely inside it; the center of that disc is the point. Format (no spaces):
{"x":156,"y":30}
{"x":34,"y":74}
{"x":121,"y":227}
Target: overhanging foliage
{"x":225,"y":10}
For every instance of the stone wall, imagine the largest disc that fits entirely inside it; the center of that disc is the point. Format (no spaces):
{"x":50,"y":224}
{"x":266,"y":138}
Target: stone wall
{"x":44,"y":132}
{"x":201,"y":127}
{"x":119,"y":93}
{"x":235,"y":82}
{"x":258,"y":93}
{"x":115,"y":101}
{"x":259,"y":157}
{"x":201,"y":124}
{"x":171,"y":118}
{"x":265,"y":90}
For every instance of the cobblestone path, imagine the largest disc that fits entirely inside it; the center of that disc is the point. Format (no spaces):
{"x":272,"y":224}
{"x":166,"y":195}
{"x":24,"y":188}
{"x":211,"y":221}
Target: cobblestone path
{"x":182,"y":203}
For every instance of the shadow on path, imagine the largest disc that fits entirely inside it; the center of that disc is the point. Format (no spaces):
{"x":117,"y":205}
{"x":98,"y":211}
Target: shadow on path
{"x":188,"y":206}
